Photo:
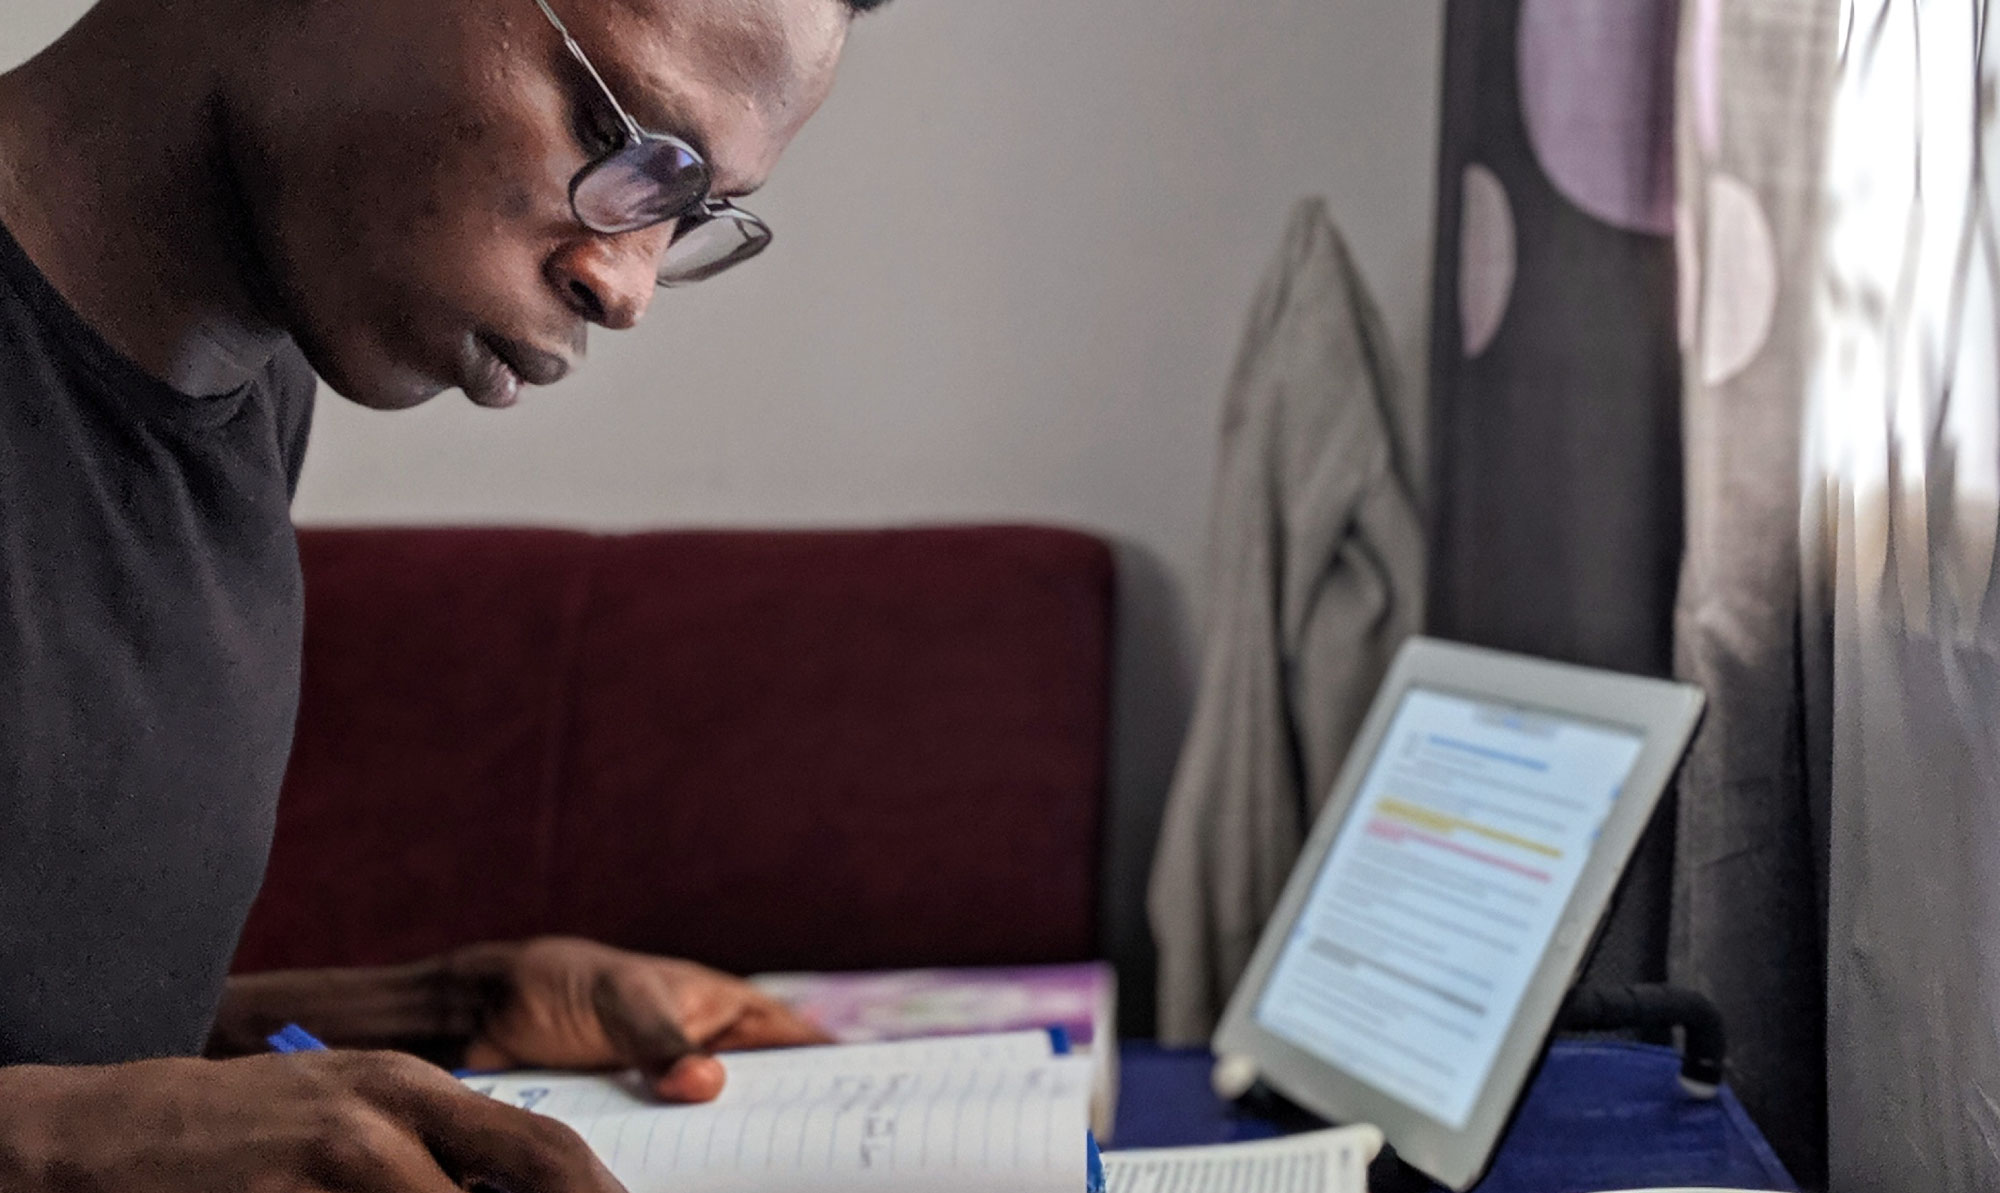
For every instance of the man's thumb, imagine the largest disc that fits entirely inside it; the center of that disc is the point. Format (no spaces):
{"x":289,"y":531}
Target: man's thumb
{"x":644,"y":1034}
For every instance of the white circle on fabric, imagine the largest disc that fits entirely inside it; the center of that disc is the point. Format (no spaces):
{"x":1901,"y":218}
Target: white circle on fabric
{"x":1739,"y":271}
{"x":1597,"y":89}
{"x":1486,"y":258}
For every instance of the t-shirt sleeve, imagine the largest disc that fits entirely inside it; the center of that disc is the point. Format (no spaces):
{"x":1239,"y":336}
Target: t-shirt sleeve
{"x":293,"y":390}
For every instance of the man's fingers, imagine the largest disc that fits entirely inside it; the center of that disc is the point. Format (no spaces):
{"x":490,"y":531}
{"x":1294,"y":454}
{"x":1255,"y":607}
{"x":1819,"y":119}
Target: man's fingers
{"x":769,"y":1025}
{"x":371,"y":1153}
{"x":476,"y":1139}
{"x":483,"y":1055}
{"x":639,"y":1021}
{"x":691,"y":1079}
{"x":482,"y":1142}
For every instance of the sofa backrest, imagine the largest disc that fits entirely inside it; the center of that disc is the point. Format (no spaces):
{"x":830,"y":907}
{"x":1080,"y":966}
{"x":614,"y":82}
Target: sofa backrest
{"x":757,"y":749}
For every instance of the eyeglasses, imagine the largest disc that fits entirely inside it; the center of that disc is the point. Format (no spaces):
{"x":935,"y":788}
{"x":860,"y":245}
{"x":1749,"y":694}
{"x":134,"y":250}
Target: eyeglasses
{"x":647,"y":179}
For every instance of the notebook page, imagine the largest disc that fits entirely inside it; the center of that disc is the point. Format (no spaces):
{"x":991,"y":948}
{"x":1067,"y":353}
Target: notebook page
{"x":946,"y":1116}
{"x":1330,"y":1161}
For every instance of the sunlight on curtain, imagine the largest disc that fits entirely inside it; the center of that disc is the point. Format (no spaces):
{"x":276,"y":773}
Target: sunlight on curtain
{"x":1901,"y":507}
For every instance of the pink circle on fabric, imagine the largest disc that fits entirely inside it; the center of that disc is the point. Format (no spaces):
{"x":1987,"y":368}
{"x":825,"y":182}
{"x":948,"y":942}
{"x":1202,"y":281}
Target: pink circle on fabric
{"x":1486,"y":258}
{"x":1739,"y":296}
{"x":1705,"y":73}
{"x":1597,"y":92}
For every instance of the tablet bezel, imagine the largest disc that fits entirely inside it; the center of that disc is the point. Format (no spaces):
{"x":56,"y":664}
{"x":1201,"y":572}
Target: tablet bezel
{"x":1662,"y":712}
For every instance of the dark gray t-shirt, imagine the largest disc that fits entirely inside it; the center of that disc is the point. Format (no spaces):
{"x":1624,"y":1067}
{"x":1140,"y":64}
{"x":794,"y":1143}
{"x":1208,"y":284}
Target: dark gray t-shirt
{"x":150,"y":616}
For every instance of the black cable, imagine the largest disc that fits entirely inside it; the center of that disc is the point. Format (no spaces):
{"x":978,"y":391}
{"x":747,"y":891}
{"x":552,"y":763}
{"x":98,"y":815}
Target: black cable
{"x":1704,"y":1045}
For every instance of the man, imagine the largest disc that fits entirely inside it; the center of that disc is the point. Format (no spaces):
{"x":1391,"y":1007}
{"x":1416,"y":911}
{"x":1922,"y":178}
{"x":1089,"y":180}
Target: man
{"x":204,"y":202}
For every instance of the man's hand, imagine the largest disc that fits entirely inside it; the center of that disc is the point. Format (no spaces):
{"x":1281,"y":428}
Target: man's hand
{"x":360,"y":1122}
{"x":571,"y":1004}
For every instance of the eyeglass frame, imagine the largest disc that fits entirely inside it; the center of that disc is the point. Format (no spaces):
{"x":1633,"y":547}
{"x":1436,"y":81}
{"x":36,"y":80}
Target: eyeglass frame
{"x":706,"y":209}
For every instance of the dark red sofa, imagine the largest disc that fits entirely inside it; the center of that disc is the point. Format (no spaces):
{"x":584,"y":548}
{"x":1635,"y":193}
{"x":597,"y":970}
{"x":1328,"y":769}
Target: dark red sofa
{"x":758,"y":749}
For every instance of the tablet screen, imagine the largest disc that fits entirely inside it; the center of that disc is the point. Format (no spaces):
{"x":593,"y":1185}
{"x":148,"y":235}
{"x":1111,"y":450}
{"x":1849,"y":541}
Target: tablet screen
{"x":1438,"y":898}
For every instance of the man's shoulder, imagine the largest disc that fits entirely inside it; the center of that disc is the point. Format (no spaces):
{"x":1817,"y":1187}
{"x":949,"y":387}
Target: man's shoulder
{"x":291,"y":383}
{"x":289,"y":376}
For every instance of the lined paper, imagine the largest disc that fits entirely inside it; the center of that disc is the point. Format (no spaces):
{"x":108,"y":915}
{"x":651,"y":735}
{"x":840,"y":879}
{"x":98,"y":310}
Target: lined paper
{"x":1330,"y":1161}
{"x":979,"y":1112}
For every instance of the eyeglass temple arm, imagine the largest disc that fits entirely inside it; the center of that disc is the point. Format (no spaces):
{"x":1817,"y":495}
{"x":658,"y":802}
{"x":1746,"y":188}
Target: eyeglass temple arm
{"x":576,"y":52}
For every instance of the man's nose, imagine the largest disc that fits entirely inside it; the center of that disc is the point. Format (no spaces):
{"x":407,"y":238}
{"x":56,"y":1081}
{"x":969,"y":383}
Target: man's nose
{"x":609,"y":280}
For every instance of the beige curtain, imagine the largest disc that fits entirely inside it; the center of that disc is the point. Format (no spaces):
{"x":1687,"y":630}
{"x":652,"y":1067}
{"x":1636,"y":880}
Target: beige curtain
{"x":1839,"y":835}
{"x":1754,"y":77}
{"x":1902,"y":503}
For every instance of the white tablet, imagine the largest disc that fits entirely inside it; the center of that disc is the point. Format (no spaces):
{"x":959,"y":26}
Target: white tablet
{"x":1449,"y":892}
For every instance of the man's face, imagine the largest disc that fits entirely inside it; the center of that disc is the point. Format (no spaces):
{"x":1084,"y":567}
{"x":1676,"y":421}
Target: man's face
{"x":407,"y":166}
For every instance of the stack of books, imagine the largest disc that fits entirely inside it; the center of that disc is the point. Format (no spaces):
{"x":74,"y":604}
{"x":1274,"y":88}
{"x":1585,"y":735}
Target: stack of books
{"x":1079,"y":1001}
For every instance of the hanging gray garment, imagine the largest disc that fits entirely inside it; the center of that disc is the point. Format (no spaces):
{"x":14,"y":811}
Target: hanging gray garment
{"x":1316,"y":577}
{"x":1749,"y":850}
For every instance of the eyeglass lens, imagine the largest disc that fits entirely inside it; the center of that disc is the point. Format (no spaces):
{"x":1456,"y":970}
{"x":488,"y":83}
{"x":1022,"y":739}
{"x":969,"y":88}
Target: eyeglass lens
{"x":658,"y":179}
{"x":705,"y":245}
{"x":647,"y":182}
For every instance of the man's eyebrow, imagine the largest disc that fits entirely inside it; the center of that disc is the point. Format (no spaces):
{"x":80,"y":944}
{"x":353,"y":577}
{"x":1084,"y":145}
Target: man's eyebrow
{"x":662,"y":112}
{"x":653,"y":109}
{"x":658,"y":113}
{"x":661,"y":109}
{"x":674,"y":124}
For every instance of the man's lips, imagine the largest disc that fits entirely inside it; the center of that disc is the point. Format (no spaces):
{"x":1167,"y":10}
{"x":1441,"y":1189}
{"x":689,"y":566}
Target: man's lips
{"x":499,"y":366}
{"x":530,"y":364}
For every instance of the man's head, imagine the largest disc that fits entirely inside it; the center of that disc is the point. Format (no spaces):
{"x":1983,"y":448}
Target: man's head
{"x":405,"y":168}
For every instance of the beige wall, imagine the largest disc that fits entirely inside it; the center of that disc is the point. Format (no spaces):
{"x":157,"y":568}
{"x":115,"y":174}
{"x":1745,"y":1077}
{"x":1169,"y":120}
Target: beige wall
{"x":1014,"y":255}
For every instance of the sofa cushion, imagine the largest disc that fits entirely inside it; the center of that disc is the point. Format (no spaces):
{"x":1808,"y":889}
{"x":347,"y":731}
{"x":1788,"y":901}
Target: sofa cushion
{"x":436,"y":665}
{"x":758,"y":749}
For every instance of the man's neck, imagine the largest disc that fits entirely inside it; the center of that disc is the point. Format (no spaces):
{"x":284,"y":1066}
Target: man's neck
{"x":115,"y":179}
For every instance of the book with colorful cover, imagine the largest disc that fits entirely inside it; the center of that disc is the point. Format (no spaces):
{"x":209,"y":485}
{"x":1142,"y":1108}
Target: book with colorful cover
{"x":1079,"y":999}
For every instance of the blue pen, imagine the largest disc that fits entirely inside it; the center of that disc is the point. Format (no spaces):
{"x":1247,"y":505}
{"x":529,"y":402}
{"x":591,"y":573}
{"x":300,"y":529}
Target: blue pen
{"x":293,"y":1038}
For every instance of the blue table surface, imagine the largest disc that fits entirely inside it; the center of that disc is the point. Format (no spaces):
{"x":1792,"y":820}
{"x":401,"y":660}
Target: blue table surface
{"x":1599,"y":1115}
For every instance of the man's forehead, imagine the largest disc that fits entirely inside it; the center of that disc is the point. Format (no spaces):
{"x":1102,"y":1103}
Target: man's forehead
{"x":746,"y":45}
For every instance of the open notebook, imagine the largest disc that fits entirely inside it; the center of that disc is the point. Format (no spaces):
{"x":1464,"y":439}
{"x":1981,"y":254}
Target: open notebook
{"x":971,"y":1114}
